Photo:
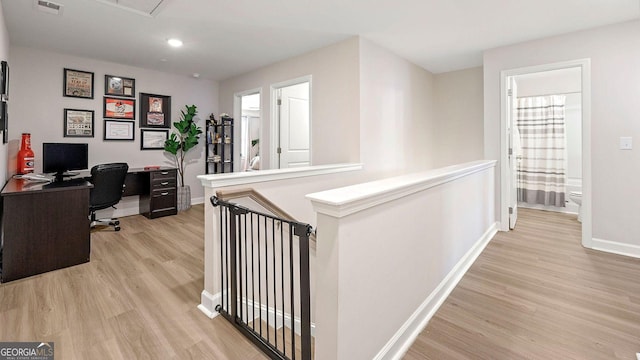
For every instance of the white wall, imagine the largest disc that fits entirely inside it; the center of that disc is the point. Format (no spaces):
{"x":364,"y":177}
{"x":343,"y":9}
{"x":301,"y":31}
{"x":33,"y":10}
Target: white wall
{"x":4,"y":55}
{"x":459,"y":110}
{"x":37,"y":107}
{"x":615,"y":82}
{"x":397,"y":116}
{"x":334,"y":102}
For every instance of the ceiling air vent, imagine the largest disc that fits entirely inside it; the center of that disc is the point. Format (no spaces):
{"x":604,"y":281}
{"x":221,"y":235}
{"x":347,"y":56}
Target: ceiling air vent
{"x":148,"y":8}
{"x":48,"y":7}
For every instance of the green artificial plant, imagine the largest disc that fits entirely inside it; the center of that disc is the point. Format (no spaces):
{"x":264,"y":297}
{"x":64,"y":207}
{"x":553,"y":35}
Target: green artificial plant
{"x":186,"y":137}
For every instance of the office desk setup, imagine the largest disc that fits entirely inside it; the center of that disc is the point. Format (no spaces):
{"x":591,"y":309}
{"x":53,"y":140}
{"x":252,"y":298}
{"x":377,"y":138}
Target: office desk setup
{"x":45,"y":226}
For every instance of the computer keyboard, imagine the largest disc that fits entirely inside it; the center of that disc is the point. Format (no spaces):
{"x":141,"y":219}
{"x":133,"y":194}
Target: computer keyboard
{"x":36,"y":177}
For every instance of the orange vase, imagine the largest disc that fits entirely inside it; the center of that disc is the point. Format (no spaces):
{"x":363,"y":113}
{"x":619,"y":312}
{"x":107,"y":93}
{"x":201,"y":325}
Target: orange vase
{"x":26,"y":159}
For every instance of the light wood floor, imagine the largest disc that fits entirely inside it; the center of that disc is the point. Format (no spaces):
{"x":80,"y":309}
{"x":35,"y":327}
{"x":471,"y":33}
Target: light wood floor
{"x":535,"y":293}
{"x":136,"y":299}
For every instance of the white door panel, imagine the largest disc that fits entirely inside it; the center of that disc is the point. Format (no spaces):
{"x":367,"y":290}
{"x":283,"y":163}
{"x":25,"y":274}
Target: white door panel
{"x":294,"y":126}
{"x":513,"y":158}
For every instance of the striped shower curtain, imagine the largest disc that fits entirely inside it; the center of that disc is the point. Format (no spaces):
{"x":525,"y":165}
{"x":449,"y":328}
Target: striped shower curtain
{"x":542,"y":168}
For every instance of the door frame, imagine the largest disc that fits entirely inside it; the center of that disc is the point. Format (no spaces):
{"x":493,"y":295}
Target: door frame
{"x":275,"y":126}
{"x":505,"y":177}
{"x":237,"y":114}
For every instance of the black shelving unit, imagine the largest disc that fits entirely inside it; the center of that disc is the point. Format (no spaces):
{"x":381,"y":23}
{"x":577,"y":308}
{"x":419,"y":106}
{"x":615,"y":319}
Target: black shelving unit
{"x":219,"y":145}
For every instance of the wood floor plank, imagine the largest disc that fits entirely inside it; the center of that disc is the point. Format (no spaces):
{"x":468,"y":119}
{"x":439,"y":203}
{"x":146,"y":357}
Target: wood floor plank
{"x":536,"y":293}
{"x":135,"y":299}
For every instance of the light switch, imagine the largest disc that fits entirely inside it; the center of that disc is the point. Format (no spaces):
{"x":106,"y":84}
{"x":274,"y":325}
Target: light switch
{"x":626,"y":143}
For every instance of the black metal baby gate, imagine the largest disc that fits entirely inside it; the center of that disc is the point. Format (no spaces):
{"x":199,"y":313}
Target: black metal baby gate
{"x":265,"y":287}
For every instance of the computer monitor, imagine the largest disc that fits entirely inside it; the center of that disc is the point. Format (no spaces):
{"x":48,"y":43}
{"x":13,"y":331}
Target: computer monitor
{"x":60,"y":158}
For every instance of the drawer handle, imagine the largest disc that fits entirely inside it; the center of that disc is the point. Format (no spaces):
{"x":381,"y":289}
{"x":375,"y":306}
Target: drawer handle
{"x":164,"y":172}
{"x":164,"y":193}
{"x":164,"y":183}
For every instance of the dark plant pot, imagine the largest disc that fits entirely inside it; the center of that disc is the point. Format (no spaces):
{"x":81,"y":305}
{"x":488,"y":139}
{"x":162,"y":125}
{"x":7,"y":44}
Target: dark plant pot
{"x":184,"y":198}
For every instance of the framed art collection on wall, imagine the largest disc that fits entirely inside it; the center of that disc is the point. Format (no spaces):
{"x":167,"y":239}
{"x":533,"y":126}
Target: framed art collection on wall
{"x":118,"y":110}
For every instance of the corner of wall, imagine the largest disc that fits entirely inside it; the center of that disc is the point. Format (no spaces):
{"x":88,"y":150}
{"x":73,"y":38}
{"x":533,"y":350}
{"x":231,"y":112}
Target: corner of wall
{"x":4,"y":55}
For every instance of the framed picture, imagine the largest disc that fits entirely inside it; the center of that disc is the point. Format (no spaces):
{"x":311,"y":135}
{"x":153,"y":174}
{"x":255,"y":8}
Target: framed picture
{"x":78,"y":83}
{"x":155,"y":110}
{"x":4,"y":81}
{"x":4,"y":110}
{"x":3,"y":116}
{"x":152,"y":139}
{"x":3,"y":106}
{"x":78,"y":123}
{"x":119,"y":86}
{"x":118,"y":130}
{"x":118,"y":108}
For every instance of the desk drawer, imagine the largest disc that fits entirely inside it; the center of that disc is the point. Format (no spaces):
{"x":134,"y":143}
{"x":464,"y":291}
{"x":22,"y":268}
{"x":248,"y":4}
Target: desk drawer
{"x":163,"y":202}
{"x":163,"y":175}
{"x":163,"y":183}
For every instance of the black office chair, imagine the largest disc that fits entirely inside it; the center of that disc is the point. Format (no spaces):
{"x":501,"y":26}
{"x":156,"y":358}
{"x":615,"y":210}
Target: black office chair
{"x":108,"y":186}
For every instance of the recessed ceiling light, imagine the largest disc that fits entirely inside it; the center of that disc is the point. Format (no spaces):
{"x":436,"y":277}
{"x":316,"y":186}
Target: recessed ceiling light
{"x":175,"y":42}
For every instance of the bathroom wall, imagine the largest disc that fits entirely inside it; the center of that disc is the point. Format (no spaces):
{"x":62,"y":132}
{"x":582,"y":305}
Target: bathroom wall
{"x":565,"y":82}
{"x":614,"y":55}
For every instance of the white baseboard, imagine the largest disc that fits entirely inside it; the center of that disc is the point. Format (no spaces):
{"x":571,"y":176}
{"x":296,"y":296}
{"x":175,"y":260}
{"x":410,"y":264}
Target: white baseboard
{"x":208,"y":303}
{"x":275,"y":316}
{"x":398,"y":345}
{"x":616,"y":247}
{"x":198,"y":200}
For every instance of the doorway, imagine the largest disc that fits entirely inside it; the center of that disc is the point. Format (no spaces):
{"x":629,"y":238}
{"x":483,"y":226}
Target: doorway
{"x":291,"y":136}
{"x":548,"y":144}
{"x":247,"y":107}
{"x":512,"y":88}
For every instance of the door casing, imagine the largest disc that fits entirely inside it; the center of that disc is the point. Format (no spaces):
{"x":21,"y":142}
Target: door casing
{"x":505,"y":173}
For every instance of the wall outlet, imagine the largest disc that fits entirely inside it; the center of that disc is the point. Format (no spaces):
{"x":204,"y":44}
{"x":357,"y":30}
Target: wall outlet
{"x":626,"y":143}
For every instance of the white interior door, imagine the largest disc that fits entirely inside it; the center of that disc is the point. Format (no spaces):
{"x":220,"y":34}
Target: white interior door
{"x":513,"y":151}
{"x":294,"y":138}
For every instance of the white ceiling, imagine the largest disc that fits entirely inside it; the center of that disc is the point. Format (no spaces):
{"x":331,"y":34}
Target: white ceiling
{"x":227,"y":38}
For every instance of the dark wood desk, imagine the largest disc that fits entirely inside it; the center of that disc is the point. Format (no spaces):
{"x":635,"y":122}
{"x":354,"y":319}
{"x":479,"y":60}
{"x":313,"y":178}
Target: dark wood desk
{"x":44,"y":227}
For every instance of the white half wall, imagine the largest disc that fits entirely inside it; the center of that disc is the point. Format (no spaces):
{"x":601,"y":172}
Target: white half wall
{"x":615,"y":54}
{"x":390,"y":251}
{"x":37,"y":107}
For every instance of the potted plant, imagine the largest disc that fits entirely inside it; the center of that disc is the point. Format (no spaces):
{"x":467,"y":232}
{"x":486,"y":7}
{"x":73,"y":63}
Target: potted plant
{"x":185,"y":138}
